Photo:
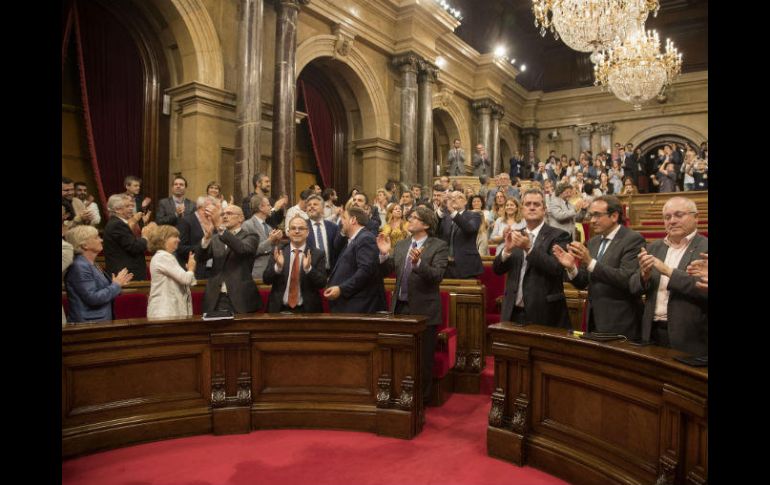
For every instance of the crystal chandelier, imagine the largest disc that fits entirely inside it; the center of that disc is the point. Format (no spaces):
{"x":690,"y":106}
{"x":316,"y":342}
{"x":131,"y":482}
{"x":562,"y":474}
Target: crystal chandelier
{"x":591,"y":25}
{"x":635,"y":70}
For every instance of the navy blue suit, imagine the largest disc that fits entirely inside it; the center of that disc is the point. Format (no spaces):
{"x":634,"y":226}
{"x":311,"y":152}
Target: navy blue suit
{"x":331,"y":233}
{"x":309,"y":283}
{"x":357,"y":273}
{"x":467,"y":261}
{"x":89,"y":292}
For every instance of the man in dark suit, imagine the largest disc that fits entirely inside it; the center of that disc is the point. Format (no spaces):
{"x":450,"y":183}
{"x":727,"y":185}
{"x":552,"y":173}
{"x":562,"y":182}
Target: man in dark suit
{"x":230,"y":286}
{"x":419,"y":262}
{"x":322,"y":232}
{"x":122,"y":249}
{"x":516,"y":166}
{"x":676,"y":310}
{"x":534,"y":288}
{"x":191,"y":233}
{"x":459,"y":228}
{"x":355,"y":284}
{"x":605,"y":268}
{"x":261,"y":184}
{"x":172,"y":209}
{"x":296,"y":272}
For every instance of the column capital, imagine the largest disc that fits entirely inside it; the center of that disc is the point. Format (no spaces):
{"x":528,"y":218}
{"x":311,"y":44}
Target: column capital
{"x":408,"y":62}
{"x":483,"y":105}
{"x":605,"y":128}
{"x":534,"y":132}
{"x":497,"y":111}
{"x":584,"y":130}
{"x":427,"y":72}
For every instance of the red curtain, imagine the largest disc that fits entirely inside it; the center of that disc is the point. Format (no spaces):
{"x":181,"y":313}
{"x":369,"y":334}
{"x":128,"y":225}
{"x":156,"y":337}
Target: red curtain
{"x":111,"y":78}
{"x":321,"y":127}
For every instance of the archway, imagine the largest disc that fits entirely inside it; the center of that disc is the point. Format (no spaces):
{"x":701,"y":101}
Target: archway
{"x":445,"y":131}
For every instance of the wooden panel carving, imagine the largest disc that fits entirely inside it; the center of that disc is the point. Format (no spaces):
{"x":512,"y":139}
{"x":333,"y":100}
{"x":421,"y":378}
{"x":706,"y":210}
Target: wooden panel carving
{"x":597,"y":413}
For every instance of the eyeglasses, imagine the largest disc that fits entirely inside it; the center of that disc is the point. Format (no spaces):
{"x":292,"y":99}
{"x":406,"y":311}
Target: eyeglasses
{"x":677,"y":214}
{"x":595,"y":215}
{"x":298,"y":228}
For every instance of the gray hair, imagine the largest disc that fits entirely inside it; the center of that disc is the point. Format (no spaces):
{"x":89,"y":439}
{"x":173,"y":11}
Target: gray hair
{"x":78,"y":235}
{"x":691,"y":206}
{"x":116,"y":201}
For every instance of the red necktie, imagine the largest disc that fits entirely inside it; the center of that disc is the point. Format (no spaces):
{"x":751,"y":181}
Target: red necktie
{"x":294,"y":281}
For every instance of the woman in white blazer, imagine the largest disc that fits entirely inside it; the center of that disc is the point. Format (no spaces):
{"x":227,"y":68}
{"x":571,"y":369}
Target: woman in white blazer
{"x":170,"y":283}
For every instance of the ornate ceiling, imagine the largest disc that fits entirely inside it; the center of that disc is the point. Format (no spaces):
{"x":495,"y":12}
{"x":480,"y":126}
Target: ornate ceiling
{"x":551,"y":65}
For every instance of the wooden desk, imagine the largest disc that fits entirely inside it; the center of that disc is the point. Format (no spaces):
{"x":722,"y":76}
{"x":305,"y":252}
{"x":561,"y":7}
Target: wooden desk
{"x":597,"y":413}
{"x":129,"y":381}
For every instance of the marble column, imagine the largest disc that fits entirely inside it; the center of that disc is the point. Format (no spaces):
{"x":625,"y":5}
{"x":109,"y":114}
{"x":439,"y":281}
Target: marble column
{"x":284,"y":97}
{"x":408,"y":64}
{"x":531,"y":136}
{"x":584,"y":132}
{"x":249,"y":114}
{"x":483,"y":110}
{"x":605,"y":136}
{"x":425,"y":81}
{"x":497,"y":114}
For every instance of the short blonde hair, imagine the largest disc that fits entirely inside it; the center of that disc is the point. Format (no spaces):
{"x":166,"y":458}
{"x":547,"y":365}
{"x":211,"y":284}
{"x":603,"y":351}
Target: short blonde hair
{"x":78,"y":235}
{"x":159,"y":235}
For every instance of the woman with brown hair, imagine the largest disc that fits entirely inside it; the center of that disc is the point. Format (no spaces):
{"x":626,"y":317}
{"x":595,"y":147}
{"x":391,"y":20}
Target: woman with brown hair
{"x":512,"y":220}
{"x":169,"y":283}
{"x":215,"y":190}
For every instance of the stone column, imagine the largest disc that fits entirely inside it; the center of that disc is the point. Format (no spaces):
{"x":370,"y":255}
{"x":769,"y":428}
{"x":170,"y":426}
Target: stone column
{"x":407,"y":64}
{"x":605,"y":136}
{"x":483,"y":110}
{"x":284,"y":97}
{"x":497,"y":114}
{"x":426,"y":79}
{"x":584,"y":132}
{"x":531,"y":136}
{"x":247,"y":146}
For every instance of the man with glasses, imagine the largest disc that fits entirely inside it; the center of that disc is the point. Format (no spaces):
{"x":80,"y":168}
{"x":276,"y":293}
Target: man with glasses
{"x":676,"y":310}
{"x":534,"y":289}
{"x":230,"y":286}
{"x":419,"y":263}
{"x":459,"y":228}
{"x":296,"y":272}
{"x":605,"y":267}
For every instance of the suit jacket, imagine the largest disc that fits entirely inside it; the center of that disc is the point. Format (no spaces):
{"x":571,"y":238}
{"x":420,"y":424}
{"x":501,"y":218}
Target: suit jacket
{"x":167,"y":211}
{"x":124,"y":250}
{"x":89,"y":292}
{"x":481,"y":166}
{"x":309,"y":283}
{"x":517,"y":168}
{"x":424,"y":280}
{"x":357,"y":274}
{"x":544,"y":300}
{"x":687,"y":305}
{"x":233,"y":260}
{"x":611,"y":306}
{"x":274,"y":219}
{"x":265,"y":248}
{"x":562,"y":215}
{"x":331,"y":234}
{"x":456,"y":162}
{"x":190,"y":235}
{"x":464,"y":250}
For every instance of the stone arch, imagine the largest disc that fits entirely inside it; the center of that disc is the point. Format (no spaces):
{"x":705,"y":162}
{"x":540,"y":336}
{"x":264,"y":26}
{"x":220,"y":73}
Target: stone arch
{"x":448,"y":104}
{"x":360,"y":77}
{"x":671,"y":129}
{"x":187,"y":26}
{"x":511,"y":141}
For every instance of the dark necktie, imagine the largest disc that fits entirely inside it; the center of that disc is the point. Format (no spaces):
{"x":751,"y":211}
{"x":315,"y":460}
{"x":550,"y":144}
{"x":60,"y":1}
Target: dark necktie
{"x":403,"y":293}
{"x":294,"y":281}
{"x":266,"y":227}
{"x":602,"y":248}
{"x":319,"y":237}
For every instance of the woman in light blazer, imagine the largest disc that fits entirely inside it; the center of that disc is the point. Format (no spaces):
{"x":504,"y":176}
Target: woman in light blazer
{"x":169,"y":283}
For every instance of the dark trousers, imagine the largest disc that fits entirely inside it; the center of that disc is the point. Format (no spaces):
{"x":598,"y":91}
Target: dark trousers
{"x":224,"y":303}
{"x":659,"y":334}
{"x":519,"y":315}
{"x":427,"y":349}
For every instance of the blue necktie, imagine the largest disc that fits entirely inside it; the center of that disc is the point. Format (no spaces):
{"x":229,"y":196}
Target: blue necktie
{"x":602,"y":247}
{"x":319,"y":237}
{"x":403,"y":293}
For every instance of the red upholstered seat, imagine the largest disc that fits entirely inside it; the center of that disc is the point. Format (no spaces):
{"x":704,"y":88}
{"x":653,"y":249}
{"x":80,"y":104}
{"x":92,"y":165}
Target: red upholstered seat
{"x":65,"y":304}
{"x":492,"y":250}
{"x":130,"y":305}
{"x":265,"y":295}
{"x":197,"y":302}
{"x":495,"y":286}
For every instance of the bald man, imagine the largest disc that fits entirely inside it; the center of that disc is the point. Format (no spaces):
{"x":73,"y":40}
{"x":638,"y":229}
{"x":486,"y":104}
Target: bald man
{"x":230,"y":286}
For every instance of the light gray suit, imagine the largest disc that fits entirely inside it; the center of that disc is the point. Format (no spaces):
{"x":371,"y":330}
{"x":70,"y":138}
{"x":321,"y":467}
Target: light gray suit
{"x":456,"y":162}
{"x":687,"y":305}
{"x":562,"y":215}
{"x":265,"y":248}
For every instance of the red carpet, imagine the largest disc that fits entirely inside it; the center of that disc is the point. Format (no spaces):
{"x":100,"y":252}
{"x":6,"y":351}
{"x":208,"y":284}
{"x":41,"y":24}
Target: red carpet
{"x":450,"y":450}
